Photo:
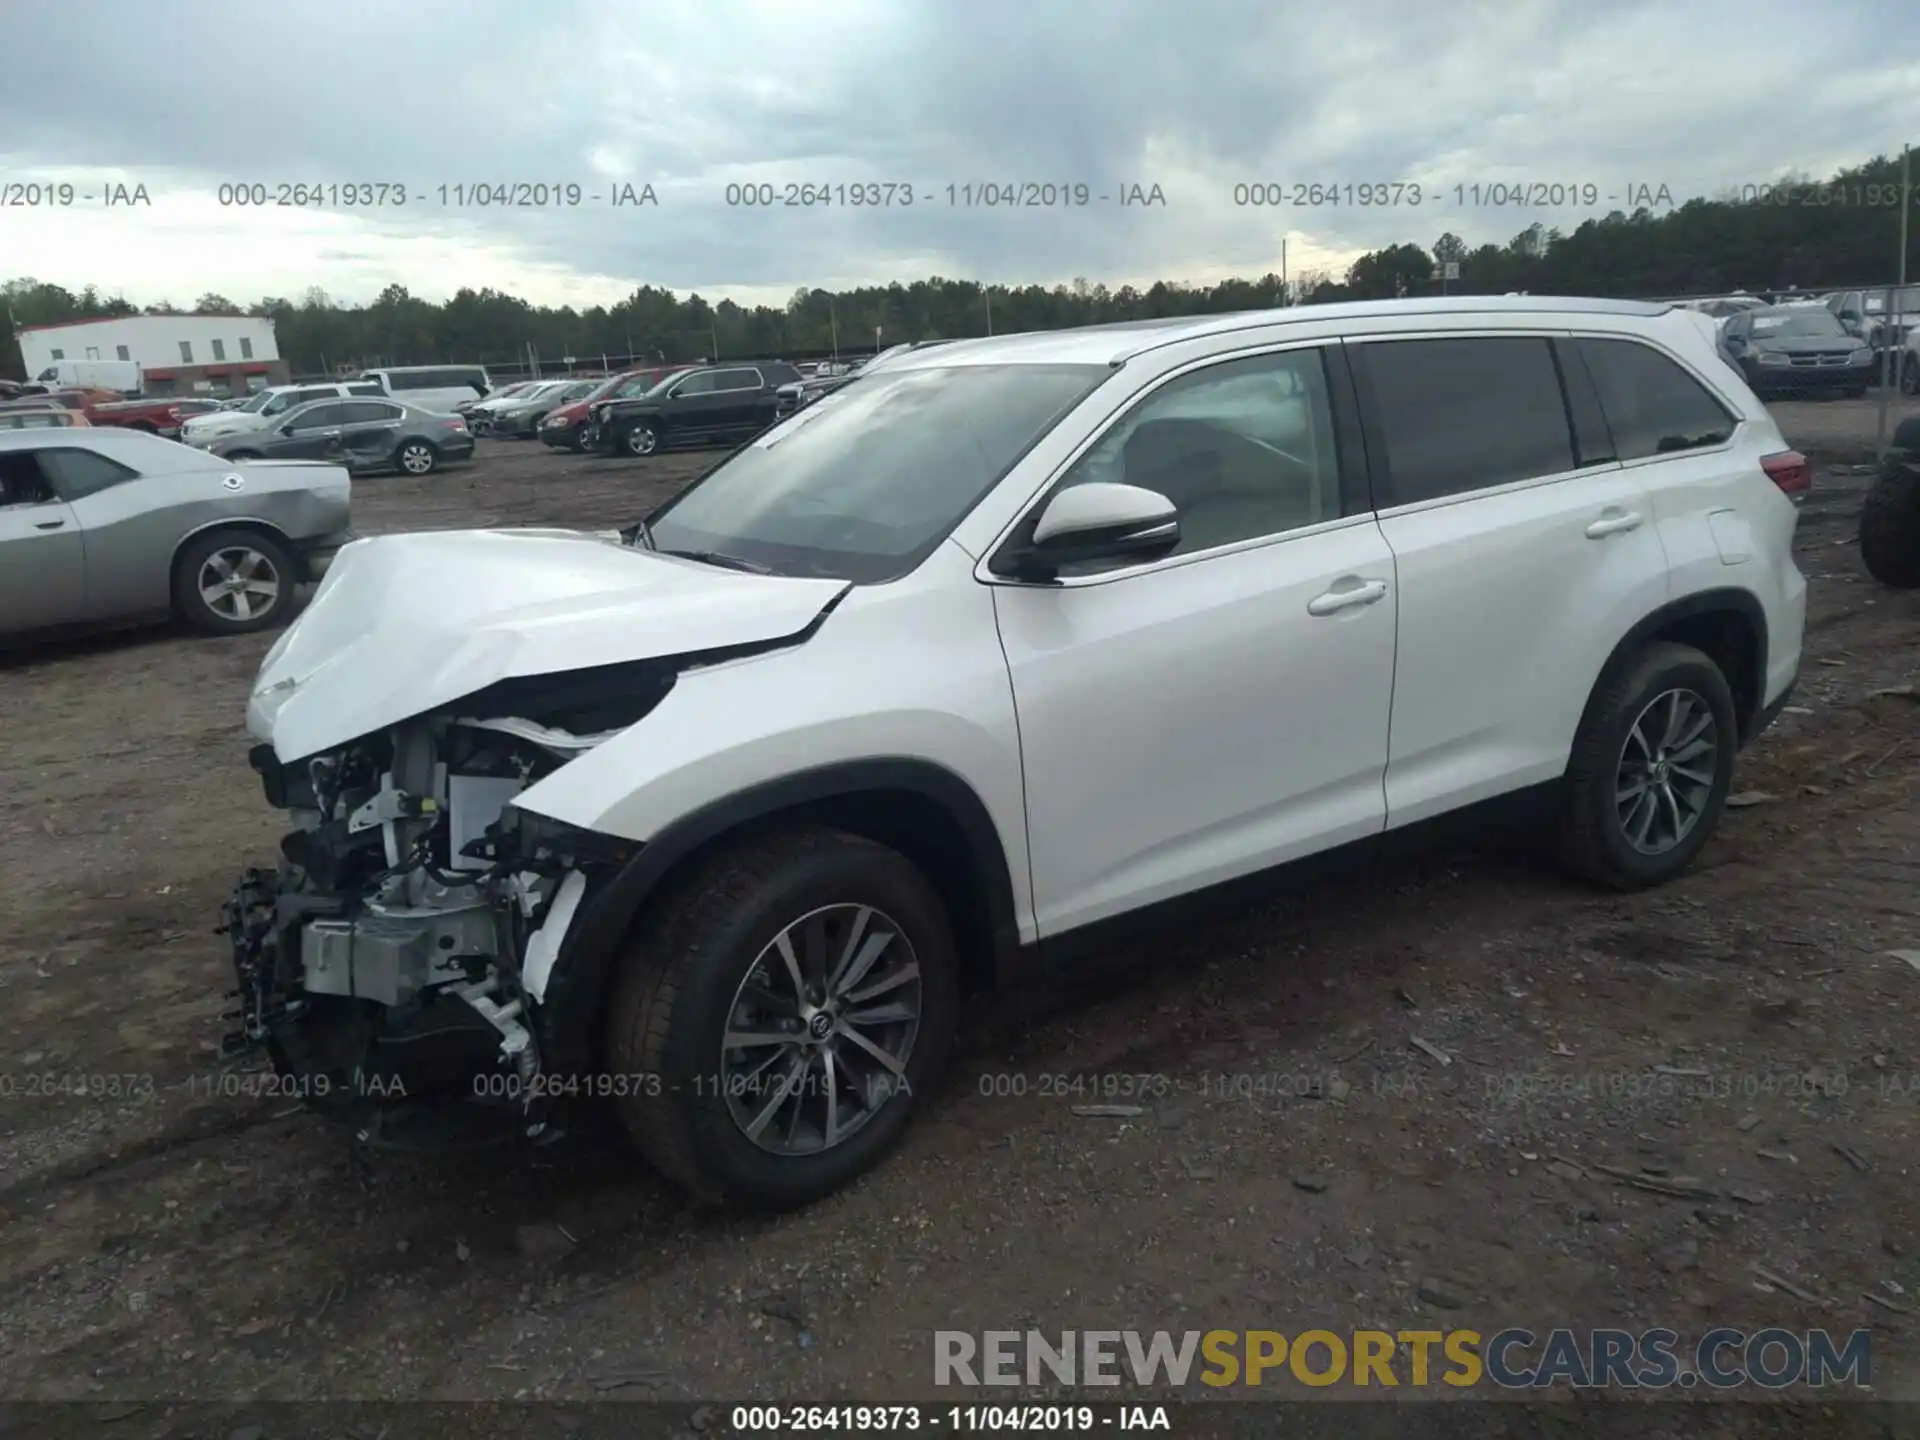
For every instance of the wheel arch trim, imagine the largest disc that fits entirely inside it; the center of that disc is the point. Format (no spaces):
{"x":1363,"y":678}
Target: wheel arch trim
{"x":588,"y":954}
{"x":1723,"y":600}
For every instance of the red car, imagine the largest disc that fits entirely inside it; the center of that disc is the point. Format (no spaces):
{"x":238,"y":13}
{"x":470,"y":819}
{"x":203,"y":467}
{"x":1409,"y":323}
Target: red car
{"x":160,"y":416}
{"x":565,"y":428}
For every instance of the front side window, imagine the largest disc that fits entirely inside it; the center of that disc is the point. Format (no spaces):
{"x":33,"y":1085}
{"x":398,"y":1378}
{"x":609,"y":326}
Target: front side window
{"x":1242,"y":449}
{"x":701,"y":384}
{"x":865,"y":486}
{"x":1463,"y":415}
{"x":1653,"y":407}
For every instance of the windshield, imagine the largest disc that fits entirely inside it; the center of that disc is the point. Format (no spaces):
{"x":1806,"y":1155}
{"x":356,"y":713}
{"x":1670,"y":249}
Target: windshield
{"x":864,"y":484}
{"x":256,"y":403}
{"x":1797,"y":324}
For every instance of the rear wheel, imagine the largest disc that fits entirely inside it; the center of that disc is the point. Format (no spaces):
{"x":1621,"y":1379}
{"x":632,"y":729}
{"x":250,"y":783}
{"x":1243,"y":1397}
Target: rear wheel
{"x":1890,"y":528}
{"x":416,"y":457}
{"x":1650,"y":769}
{"x":794,"y":997}
{"x":232,"y":582}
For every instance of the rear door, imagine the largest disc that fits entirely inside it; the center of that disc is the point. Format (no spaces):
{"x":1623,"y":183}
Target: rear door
{"x":43,"y":572}
{"x":370,"y":431}
{"x":1523,"y":551}
{"x":739,"y":397}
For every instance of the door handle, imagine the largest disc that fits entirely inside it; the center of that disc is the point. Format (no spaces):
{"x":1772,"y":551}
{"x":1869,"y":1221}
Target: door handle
{"x":48,"y":524}
{"x":1614,"y":523}
{"x":1334,"y":601}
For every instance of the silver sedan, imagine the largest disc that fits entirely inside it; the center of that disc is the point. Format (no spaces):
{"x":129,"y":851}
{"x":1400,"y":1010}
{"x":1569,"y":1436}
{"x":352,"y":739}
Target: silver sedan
{"x":106,"y":525}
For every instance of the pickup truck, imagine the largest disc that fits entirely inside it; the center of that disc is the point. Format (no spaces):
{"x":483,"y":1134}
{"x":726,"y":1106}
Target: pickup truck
{"x":713,"y":405}
{"x":160,"y":416}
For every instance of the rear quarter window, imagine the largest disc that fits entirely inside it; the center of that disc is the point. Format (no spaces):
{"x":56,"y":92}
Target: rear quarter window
{"x":1652,"y":405}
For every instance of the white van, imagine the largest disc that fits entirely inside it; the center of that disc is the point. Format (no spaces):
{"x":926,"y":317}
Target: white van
{"x":432,"y":387}
{"x":121,"y":375}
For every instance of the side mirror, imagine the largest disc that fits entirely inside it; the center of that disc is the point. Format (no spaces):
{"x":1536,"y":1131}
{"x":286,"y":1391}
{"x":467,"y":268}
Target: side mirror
{"x":1097,"y":521}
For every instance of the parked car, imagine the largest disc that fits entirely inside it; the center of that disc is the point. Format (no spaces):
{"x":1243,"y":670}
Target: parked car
{"x":797,"y":395}
{"x":267,"y":407}
{"x":105,"y":407}
{"x":712,"y":405}
{"x":41,"y":417}
{"x":721,"y":823}
{"x":1890,"y":514}
{"x":473,"y":408}
{"x":1794,"y":349}
{"x":566,"y":427}
{"x":522,"y":416}
{"x":438,"y":388}
{"x":102,"y":526}
{"x":364,"y":435}
{"x":1865,"y":313}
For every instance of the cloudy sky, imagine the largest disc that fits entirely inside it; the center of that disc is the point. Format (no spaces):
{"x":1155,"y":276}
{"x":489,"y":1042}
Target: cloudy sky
{"x":1196,"y":98}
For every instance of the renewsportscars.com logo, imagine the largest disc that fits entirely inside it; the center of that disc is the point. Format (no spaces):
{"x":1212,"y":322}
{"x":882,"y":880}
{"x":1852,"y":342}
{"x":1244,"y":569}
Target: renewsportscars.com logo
{"x":1513,"y":1359}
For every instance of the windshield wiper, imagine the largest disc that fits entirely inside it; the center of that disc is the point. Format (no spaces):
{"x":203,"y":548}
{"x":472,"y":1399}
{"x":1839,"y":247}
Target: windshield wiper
{"x":714,"y":557}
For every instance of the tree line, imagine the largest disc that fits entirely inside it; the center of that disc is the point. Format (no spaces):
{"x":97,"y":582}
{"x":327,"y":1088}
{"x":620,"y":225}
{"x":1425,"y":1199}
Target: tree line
{"x":1801,"y":233}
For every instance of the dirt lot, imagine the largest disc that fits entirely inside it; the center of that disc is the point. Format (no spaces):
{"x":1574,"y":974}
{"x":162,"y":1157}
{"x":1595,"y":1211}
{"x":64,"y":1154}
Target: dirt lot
{"x":1741,"y":1027}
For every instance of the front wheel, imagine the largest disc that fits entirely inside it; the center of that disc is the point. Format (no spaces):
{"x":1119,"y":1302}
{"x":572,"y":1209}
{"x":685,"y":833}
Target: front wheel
{"x":417,"y":457}
{"x":232,"y":582}
{"x":641,"y":440}
{"x":788,"y":1005}
{"x":1650,"y":769}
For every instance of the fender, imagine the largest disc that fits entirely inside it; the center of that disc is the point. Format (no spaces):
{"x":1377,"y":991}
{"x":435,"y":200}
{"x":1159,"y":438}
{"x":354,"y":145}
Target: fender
{"x":591,"y":948}
{"x":1721,"y":601}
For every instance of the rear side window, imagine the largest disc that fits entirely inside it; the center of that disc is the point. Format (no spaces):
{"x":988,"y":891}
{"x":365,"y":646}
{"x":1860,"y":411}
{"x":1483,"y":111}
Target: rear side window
{"x":367,"y":412}
{"x":1463,"y":415}
{"x":736,"y":380}
{"x":315,"y":417}
{"x":76,"y":474}
{"x":1653,"y":406}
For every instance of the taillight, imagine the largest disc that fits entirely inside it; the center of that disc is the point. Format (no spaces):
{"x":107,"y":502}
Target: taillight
{"x":454,"y":422}
{"x":1789,"y":470}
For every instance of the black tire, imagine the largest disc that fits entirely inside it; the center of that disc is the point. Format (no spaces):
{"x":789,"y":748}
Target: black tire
{"x":192,"y":570}
{"x":241,"y":455}
{"x":684,"y":966}
{"x":1594,"y":843}
{"x":1890,"y":528}
{"x":1910,"y":375}
{"x":639,"y":440}
{"x":416,"y":457}
{"x":1855,"y":392}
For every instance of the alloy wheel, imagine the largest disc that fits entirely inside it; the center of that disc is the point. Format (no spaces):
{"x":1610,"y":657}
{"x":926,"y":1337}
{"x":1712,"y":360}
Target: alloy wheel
{"x":1665,"y":776}
{"x":237,"y":582}
{"x":821,"y":1029}
{"x":416,"y":459}
{"x":641,"y":440}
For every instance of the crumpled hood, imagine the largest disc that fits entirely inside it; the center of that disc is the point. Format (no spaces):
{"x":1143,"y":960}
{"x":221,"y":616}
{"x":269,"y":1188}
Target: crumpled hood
{"x":404,"y":624}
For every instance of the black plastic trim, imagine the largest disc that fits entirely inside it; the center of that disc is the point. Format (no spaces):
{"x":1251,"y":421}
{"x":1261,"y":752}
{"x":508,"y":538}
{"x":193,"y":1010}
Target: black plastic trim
{"x":1706,"y":602}
{"x":571,"y":1004}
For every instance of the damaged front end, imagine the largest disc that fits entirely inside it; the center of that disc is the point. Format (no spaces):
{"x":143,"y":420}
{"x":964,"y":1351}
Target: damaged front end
{"x":392,"y":965}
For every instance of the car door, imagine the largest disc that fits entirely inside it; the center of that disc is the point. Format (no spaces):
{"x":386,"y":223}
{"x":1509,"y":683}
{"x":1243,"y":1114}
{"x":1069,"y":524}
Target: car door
{"x":43,"y":572}
{"x":688,"y":411}
{"x":309,"y":434}
{"x":1524,"y":552}
{"x":370,"y":432}
{"x":740,"y":397}
{"x":127,"y":526}
{"x":1198,"y":717}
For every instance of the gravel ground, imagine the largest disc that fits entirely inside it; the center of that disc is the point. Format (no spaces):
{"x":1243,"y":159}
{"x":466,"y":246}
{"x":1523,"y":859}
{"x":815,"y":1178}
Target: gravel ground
{"x":1297,"y":1161}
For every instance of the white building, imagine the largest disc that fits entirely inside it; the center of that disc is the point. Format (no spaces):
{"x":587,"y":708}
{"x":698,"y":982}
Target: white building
{"x":178,"y":354}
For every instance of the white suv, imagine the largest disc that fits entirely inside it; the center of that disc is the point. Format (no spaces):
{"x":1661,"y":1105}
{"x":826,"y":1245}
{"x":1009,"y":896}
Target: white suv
{"x":1014,"y":640}
{"x":265,"y":407}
